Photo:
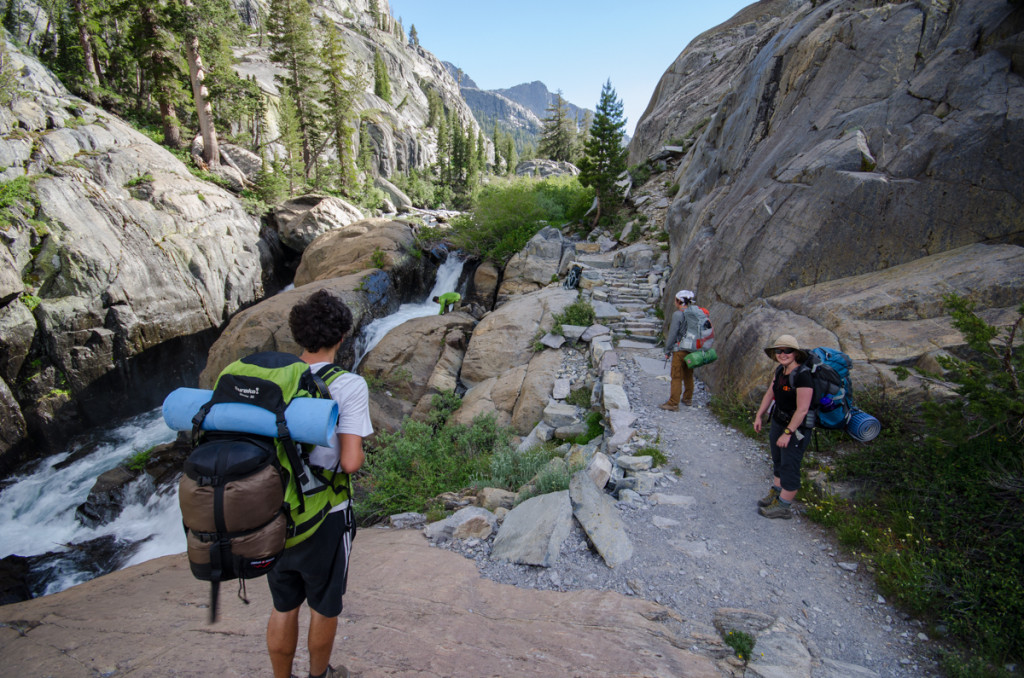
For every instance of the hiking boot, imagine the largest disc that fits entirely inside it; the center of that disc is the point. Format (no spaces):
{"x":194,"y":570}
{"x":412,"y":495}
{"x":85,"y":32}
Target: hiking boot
{"x":670,"y":408}
{"x":340,"y":672}
{"x":776,"y":510}
{"x":767,"y":500}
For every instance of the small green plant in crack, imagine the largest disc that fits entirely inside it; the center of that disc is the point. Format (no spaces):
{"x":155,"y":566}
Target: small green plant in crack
{"x":31,"y":301}
{"x":741,"y":642}
{"x":658,"y":457}
{"x":139,"y":180}
{"x":137,"y":462}
{"x":579,"y":397}
{"x":379,"y":258}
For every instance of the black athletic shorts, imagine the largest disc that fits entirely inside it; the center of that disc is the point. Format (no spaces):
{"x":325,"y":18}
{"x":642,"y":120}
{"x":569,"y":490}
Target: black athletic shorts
{"x":317,"y":569}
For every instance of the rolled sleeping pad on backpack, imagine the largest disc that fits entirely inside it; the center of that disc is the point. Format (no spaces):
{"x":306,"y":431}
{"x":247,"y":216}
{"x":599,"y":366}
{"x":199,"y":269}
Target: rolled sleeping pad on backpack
{"x":863,"y":426}
{"x":310,"y":420}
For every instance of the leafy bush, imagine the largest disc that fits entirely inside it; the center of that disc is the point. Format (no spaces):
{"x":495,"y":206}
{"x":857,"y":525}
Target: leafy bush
{"x":418,"y":186}
{"x":741,"y":642}
{"x":511,"y":469}
{"x":506,"y":214}
{"x":137,"y":462}
{"x":579,"y":397}
{"x":594,"y":429}
{"x":407,"y":468}
{"x":579,"y":312}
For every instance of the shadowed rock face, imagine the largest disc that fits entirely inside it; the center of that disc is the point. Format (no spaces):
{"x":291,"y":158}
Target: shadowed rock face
{"x":852,"y":154}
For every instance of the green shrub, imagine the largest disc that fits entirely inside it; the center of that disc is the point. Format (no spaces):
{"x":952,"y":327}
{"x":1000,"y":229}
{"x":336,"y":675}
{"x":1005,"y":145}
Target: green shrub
{"x":31,"y":301}
{"x":579,"y":312}
{"x":141,"y":179}
{"x":137,"y":462}
{"x":594,"y":429}
{"x":579,"y":397}
{"x":640,"y":173}
{"x":741,"y":642}
{"x":511,"y":469}
{"x":379,"y":258}
{"x":404,"y":470}
{"x":506,"y":214}
{"x":658,"y":457}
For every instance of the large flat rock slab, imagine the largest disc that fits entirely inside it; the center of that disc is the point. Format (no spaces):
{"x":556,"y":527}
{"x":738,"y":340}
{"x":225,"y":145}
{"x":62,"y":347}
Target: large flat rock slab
{"x":411,"y":610}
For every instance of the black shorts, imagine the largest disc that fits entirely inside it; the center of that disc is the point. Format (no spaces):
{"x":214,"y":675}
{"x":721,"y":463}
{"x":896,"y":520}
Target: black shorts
{"x":317,"y":569}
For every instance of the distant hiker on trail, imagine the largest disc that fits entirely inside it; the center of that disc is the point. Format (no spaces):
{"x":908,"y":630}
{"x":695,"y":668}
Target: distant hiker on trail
{"x":787,"y":436}
{"x":686,"y":322}
{"x":448,"y":301}
{"x":316,"y":570}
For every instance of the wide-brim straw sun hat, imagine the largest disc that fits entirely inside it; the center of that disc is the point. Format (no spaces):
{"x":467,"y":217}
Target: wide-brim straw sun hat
{"x":785,"y":341}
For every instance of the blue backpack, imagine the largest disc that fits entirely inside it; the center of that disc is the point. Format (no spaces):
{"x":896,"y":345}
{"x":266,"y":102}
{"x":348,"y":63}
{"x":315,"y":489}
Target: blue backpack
{"x":832,"y":403}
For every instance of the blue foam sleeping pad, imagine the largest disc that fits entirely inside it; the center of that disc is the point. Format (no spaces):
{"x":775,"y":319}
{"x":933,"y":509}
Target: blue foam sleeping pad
{"x":863,"y":426}
{"x":310,"y":420}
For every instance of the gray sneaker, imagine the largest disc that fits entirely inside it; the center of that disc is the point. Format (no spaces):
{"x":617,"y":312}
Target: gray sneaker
{"x":773,"y":494}
{"x":340,"y":672}
{"x":776,"y":510}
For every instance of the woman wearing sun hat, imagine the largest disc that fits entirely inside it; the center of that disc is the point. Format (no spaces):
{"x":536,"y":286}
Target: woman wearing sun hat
{"x":791,"y":390}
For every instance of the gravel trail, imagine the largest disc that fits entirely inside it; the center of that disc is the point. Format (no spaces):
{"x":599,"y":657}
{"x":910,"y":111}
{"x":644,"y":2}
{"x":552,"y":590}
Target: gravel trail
{"x":714,"y":551}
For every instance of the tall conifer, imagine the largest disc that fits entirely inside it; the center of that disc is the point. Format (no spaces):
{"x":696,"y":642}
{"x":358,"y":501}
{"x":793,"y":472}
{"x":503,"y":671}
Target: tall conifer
{"x":559,"y":132}
{"x":290,"y":29}
{"x":605,"y":157}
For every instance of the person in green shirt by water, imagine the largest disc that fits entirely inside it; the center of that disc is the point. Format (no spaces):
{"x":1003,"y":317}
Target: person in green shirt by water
{"x":448,"y":301}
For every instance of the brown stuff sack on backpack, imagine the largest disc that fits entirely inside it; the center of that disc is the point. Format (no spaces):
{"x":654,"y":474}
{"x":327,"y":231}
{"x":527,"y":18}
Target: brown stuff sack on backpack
{"x":231,"y":497}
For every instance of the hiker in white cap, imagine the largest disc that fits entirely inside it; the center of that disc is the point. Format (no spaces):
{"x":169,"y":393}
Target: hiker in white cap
{"x":686,"y":323}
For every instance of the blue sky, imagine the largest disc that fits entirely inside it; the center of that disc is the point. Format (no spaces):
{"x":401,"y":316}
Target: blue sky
{"x":572,"y":45}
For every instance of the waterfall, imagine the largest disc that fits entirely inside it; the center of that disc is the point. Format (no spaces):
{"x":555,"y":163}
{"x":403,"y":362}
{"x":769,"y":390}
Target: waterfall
{"x":447,"y":279}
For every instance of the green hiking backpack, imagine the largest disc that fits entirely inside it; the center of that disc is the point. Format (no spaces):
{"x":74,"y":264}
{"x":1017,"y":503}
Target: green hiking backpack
{"x":245,"y":498}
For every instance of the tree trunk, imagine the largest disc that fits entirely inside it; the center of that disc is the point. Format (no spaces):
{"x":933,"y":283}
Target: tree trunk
{"x":86,"y":40}
{"x":204,"y":112}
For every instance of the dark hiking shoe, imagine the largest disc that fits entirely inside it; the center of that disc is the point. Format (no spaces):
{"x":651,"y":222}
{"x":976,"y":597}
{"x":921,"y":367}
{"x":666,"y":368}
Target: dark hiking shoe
{"x":776,"y":510}
{"x":767,"y":500}
{"x":340,"y":672}
{"x":670,"y":408}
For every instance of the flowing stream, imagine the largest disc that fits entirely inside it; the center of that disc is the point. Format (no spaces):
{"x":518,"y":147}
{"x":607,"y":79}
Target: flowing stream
{"x":37,"y":510}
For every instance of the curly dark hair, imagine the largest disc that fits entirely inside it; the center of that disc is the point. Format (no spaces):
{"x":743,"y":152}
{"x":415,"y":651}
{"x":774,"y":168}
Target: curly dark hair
{"x":322,"y":320}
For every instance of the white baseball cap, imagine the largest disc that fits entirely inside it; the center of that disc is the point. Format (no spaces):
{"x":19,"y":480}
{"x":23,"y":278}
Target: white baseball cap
{"x":683,"y":295}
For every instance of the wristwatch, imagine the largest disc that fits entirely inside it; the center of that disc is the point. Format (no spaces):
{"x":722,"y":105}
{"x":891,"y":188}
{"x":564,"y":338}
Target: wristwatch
{"x":788,"y":432}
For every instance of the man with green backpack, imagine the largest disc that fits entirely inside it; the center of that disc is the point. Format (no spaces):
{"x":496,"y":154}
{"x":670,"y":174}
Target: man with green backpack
{"x":316,"y":569}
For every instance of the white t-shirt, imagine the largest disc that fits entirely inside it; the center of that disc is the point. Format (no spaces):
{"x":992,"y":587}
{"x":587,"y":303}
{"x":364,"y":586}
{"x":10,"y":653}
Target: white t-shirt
{"x":353,"y":397}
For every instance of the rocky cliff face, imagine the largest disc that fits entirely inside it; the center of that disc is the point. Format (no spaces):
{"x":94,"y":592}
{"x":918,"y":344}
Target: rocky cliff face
{"x":848,"y":164}
{"x":398,"y":130}
{"x":116,"y":261}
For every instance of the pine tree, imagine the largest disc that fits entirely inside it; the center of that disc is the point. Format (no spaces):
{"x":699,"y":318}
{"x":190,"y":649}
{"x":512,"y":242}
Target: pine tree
{"x":414,"y":37}
{"x":559,"y":132}
{"x":381,"y":81}
{"x":12,"y":18}
{"x":7,"y":78}
{"x":340,"y":91}
{"x":510,"y":154}
{"x":158,"y":50}
{"x":290,"y":28}
{"x":435,"y":108}
{"x":605,"y":157}
{"x":290,"y":138}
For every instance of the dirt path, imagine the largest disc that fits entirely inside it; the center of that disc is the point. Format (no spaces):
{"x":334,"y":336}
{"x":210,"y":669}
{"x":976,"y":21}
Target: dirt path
{"x":706,"y":548}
